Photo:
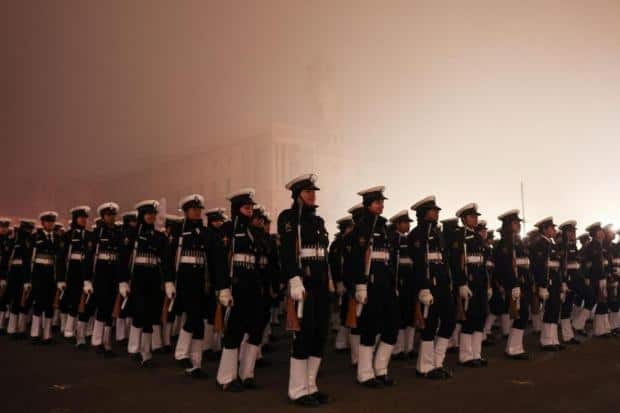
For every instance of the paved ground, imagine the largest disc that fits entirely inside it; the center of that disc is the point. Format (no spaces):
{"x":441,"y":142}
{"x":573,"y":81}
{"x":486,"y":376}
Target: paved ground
{"x":58,"y":379}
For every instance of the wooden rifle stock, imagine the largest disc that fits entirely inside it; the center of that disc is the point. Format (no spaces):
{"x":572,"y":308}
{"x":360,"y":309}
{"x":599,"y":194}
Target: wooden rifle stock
{"x":351,"y":320}
{"x":25,"y":297}
{"x":218,"y":323}
{"x":56,"y":304}
{"x":164,"y":311}
{"x":82,"y":305}
{"x":292,"y":320}
{"x":116,"y":310}
{"x":418,"y":317}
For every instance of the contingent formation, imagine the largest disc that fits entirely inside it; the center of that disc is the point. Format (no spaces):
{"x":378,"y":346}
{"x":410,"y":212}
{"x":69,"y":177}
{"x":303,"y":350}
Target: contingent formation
{"x":215,"y":290}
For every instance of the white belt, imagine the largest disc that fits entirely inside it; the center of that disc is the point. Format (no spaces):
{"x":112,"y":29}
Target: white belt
{"x":380,"y":255}
{"x":76,"y":256}
{"x":106,"y":256}
{"x":490,"y":264}
{"x":146,"y":260}
{"x":434,"y":256}
{"x":474,"y":259}
{"x":573,"y":266}
{"x":263,"y":261}
{"x":44,"y":261}
{"x":186,"y":259}
{"x":523,"y":262}
{"x":553,"y":264}
{"x":17,"y":262}
{"x":244,"y":259}
{"x":312,"y":253}
{"x":405,"y":261}
{"x":616,"y":261}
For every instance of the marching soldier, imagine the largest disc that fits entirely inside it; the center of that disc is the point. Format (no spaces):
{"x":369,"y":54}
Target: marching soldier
{"x":46,"y":276}
{"x":571,"y":275}
{"x":5,"y":224}
{"x":240,"y":295}
{"x":212,"y":341}
{"x":468,"y":266}
{"x":18,"y":287}
{"x":193,"y":253}
{"x":407,"y":295}
{"x":545,"y":263}
{"x":102,"y":274}
{"x":76,"y":244}
{"x":141,"y":276}
{"x":336,"y":265}
{"x":375,"y":291}
{"x":513,"y":279}
{"x":596,"y":266}
{"x":435,"y":290}
{"x":303,"y":251}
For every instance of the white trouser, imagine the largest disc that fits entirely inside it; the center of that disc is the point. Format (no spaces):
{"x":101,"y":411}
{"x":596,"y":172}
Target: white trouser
{"x":184,"y":342}
{"x":399,"y":347}
{"x":506,"y":322}
{"x":247,"y":361}
{"x":365,"y":369}
{"x":342,"y":336}
{"x":582,"y":316}
{"x":549,"y":335}
{"x":297,"y":378}
{"x":601,"y":324}
{"x":382,"y":358}
{"x":567,"y":329}
{"x":35,"y":327}
{"x":69,"y":330}
{"x":426,"y":356}
{"x":227,"y":370}
{"x":514,"y":344}
{"x":133,"y":344}
{"x":156,"y":338}
{"x":456,"y":335}
{"x":466,"y":352}
{"x":97,"y":338}
{"x":441,"y":346}
{"x":145,"y":346}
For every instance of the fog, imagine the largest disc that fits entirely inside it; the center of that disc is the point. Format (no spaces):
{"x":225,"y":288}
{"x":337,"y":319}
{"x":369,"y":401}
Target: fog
{"x":463,"y":100}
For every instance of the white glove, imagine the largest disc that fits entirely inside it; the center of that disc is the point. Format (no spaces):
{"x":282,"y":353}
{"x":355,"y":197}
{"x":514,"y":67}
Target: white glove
{"x":425,"y":297}
{"x":516,"y":294}
{"x":88,"y":287}
{"x":61,"y":285}
{"x":614,"y":284}
{"x":297,"y":289}
{"x":123,"y":289}
{"x":361,"y":293}
{"x":170,"y":289}
{"x":562,"y":296}
{"x":225,"y":297}
{"x":564,"y":288}
{"x":543,"y":293}
{"x":2,"y":283}
{"x":602,"y":284}
{"x":340,"y":290}
{"x":464,"y":292}
{"x":489,"y":294}
{"x":27,"y":286}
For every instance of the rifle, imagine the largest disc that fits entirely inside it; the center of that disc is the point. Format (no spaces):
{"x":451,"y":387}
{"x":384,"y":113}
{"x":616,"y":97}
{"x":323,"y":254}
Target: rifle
{"x":463,"y":304}
{"x":423,"y":315}
{"x":295,"y":314}
{"x":353,"y":304}
{"x":61,"y":293}
{"x":601,"y":296}
{"x":169,"y":302}
{"x":26,"y":292}
{"x":221,"y":320}
{"x":515,"y":305}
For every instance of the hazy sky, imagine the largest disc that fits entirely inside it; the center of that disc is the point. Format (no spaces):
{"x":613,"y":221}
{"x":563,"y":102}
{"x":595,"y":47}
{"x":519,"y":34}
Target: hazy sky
{"x":459,"y":99}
